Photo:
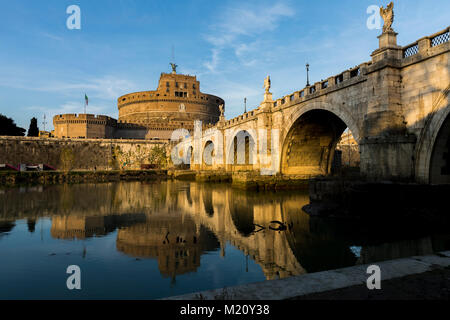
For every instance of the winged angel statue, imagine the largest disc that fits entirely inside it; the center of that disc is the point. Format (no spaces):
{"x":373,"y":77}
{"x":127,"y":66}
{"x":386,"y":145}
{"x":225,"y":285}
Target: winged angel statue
{"x":267,"y":84}
{"x":388,"y":17}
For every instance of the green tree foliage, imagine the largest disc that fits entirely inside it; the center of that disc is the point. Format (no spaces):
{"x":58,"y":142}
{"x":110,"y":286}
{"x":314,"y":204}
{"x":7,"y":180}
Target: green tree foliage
{"x":9,"y":128}
{"x":33,"y":130}
{"x":158,"y":156}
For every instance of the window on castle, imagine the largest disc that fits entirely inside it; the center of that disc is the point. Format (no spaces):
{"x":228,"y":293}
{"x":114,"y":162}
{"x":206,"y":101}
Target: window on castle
{"x":180,"y":94}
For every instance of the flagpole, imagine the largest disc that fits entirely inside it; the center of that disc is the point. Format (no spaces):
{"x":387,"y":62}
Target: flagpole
{"x":85,"y":102}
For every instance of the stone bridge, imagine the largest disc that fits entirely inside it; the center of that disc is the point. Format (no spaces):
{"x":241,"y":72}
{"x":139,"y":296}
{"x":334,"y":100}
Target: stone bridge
{"x":396,"y":106}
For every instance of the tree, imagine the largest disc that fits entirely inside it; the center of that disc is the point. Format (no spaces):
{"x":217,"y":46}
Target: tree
{"x":158,"y":156}
{"x":33,"y":130}
{"x":9,"y":128}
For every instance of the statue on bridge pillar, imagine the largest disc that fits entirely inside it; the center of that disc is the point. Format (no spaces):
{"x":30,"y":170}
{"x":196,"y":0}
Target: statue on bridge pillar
{"x":388,"y":39}
{"x":388,"y":17}
{"x":267,"y":94}
{"x":222,"y":114}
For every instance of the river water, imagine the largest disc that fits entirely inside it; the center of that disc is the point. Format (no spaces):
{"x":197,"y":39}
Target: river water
{"x":135,"y":240}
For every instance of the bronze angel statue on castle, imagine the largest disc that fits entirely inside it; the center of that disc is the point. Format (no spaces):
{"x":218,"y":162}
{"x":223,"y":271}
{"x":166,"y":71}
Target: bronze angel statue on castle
{"x":388,"y":17}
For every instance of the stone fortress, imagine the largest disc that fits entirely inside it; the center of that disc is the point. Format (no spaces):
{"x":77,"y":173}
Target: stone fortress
{"x":176,"y":104}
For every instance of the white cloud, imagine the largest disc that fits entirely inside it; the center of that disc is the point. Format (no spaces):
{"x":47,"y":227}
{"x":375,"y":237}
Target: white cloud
{"x":212,"y":64}
{"x":51,"y":36}
{"x":107,"y":87}
{"x":238,"y":25}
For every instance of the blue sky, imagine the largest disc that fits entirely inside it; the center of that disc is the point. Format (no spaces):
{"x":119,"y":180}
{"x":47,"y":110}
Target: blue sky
{"x":231,"y":46}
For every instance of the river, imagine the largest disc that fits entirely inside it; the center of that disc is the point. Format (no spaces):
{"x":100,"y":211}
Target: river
{"x":134,"y":240}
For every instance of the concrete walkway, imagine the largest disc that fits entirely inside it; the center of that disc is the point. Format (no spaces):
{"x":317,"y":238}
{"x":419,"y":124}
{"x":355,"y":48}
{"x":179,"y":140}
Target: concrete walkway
{"x":315,"y":283}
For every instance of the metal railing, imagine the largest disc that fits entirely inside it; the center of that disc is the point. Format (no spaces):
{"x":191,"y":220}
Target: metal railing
{"x":440,"y":38}
{"x":411,"y":50}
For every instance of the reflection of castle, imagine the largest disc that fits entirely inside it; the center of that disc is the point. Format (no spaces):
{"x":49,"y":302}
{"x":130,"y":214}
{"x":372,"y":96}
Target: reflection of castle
{"x":176,"y":242}
{"x":175,"y":104}
{"x":78,"y":227}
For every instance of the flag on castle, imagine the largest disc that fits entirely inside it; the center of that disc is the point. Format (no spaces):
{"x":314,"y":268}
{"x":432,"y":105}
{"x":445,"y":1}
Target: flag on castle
{"x":87,"y":99}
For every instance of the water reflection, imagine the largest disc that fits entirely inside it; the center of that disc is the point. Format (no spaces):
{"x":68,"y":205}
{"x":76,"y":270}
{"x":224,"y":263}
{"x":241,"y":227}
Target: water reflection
{"x":178,"y":223}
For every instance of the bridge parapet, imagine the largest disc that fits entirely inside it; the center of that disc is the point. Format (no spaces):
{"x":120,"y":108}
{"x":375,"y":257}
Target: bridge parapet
{"x":424,"y":44}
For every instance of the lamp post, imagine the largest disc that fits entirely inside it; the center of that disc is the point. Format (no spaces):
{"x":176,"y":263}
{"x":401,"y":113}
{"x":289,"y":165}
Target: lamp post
{"x":307,"y":75}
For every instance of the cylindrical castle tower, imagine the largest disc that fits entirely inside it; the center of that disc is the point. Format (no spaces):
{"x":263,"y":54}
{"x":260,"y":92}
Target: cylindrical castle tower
{"x":176,"y":104}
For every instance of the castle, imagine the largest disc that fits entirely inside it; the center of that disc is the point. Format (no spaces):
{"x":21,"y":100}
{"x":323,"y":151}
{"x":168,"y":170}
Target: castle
{"x":176,"y":104}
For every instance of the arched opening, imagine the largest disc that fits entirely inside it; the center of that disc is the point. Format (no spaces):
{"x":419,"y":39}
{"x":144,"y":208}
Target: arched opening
{"x":347,"y":153}
{"x":242,"y":152}
{"x":311,"y":143}
{"x":208,"y":202}
{"x":189,"y":157}
{"x":241,"y":210}
{"x":440,"y":157}
{"x":208,"y":153}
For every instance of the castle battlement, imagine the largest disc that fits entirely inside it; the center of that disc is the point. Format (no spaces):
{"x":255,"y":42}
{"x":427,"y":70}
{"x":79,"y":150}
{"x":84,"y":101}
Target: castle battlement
{"x":82,"y":116}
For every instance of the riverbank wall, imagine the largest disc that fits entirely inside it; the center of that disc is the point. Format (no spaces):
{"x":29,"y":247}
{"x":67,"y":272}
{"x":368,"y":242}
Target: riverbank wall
{"x":248,"y":180}
{"x":14,"y":178}
{"x":79,"y":154}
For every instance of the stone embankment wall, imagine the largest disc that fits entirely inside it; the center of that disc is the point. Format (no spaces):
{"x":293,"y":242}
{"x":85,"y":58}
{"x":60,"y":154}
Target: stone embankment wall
{"x":78,"y":154}
{"x":13,"y":178}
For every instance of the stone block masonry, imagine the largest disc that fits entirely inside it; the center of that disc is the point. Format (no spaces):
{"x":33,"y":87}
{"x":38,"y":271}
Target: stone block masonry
{"x":79,"y":154}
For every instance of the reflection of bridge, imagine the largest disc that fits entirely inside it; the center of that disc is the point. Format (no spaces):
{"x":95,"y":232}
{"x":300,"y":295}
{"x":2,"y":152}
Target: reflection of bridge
{"x":244,"y":221}
{"x":176,"y":223}
{"x":172,"y":222}
{"x":222,"y":214}
{"x":395,"y":105}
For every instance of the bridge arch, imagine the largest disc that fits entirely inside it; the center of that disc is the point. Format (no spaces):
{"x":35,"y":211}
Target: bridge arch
{"x":241,"y":149}
{"x":433,"y":148}
{"x":189,"y":158}
{"x":340,"y":112}
{"x":310,"y":139}
{"x":208,"y":153}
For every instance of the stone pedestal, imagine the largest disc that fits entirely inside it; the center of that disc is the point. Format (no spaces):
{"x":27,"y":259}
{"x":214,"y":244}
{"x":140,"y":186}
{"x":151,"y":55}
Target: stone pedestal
{"x":388,"y":39}
{"x":388,"y":48}
{"x":267,"y":104}
{"x":268,"y":97}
